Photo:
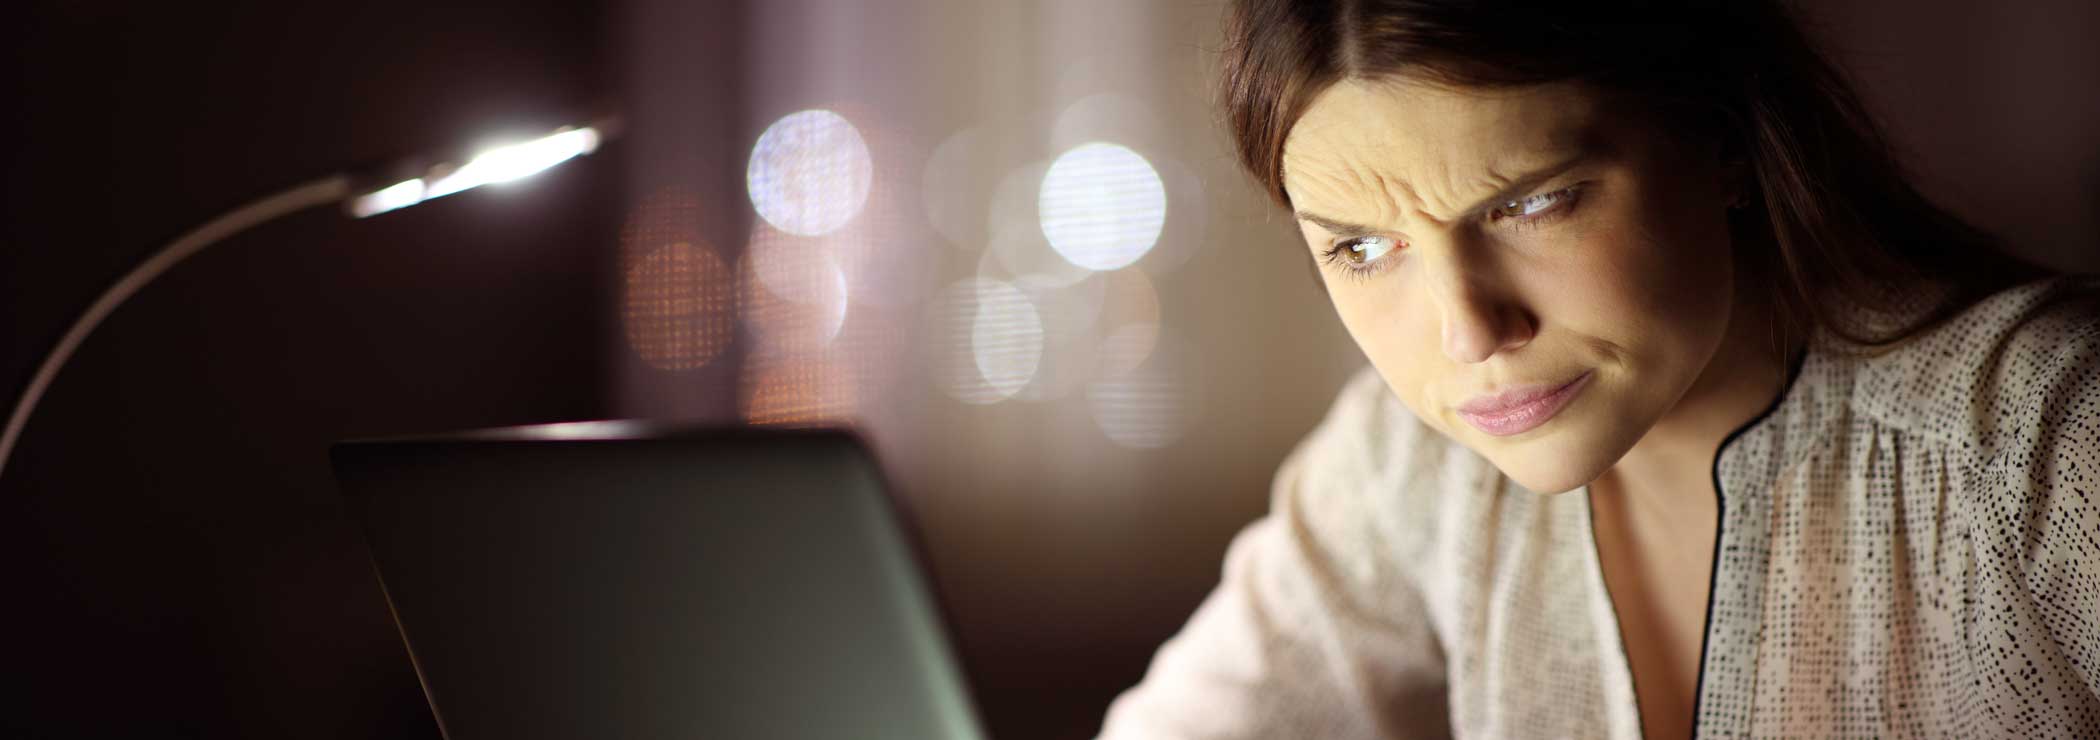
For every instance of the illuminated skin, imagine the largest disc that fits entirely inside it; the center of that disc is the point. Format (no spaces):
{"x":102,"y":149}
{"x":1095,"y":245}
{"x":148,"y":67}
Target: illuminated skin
{"x":1477,"y":241}
{"x":1454,"y":294}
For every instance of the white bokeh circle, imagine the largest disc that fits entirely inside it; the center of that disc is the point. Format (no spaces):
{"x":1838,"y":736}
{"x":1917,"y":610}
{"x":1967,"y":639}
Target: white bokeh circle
{"x":993,"y":338}
{"x":1102,"y":206}
{"x":809,"y":173}
{"x":795,"y":306}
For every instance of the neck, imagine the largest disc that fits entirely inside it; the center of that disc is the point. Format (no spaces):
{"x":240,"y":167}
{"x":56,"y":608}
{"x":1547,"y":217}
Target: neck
{"x":1671,"y":467}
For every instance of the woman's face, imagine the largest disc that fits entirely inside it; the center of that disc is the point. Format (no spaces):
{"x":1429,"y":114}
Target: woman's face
{"x":1536,"y":274}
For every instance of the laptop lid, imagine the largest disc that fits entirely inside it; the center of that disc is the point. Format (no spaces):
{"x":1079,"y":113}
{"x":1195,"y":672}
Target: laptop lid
{"x":610,"y":581}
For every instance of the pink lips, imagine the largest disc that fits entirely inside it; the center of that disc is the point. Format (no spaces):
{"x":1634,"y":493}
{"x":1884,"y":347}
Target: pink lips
{"x":1519,"y":410}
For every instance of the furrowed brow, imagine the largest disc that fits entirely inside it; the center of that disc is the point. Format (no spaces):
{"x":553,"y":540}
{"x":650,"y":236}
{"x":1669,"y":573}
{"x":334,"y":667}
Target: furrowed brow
{"x":1342,"y":229}
{"x":1516,"y":189}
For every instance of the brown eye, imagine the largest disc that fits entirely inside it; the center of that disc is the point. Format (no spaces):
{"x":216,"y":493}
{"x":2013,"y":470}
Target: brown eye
{"x":1364,"y":249}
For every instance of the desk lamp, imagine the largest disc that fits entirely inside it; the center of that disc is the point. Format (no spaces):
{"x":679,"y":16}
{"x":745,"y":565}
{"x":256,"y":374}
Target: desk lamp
{"x":360,"y":196}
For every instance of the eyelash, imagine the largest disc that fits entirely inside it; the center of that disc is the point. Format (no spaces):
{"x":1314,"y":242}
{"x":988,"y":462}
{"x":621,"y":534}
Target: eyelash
{"x":1567,"y":197}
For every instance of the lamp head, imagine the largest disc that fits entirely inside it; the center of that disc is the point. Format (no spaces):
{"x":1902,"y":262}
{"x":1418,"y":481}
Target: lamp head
{"x":497,"y":164}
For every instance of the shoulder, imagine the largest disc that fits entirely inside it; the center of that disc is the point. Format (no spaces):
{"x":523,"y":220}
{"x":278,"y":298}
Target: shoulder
{"x":2037,"y":411}
{"x":2031,"y":485}
{"x":1373,"y":471}
{"x":2010,"y":390}
{"x":1368,"y":440}
{"x":1993,"y":377}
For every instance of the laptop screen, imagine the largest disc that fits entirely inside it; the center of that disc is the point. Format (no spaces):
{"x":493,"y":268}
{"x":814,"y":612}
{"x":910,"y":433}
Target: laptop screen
{"x":717,"y":584}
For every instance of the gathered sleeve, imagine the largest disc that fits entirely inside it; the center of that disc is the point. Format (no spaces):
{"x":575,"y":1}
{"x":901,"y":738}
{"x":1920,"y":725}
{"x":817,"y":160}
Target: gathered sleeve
{"x":1315,"y":628}
{"x":2037,"y":538}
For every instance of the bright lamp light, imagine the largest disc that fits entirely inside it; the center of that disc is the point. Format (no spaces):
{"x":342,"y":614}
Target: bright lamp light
{"x":498,"y":164}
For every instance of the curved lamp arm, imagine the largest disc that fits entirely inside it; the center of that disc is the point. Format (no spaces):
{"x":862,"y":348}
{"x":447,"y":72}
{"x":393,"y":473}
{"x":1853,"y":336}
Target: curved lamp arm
{"x":494,"y":165}
{"x":319,"y":192}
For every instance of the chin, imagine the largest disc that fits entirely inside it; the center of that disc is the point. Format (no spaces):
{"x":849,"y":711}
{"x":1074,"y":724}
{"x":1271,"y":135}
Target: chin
{"x":1547,"y":472}
{"x":1571,"y":453}
{"x":1547,"y":482}
{"x":1564,"y":456}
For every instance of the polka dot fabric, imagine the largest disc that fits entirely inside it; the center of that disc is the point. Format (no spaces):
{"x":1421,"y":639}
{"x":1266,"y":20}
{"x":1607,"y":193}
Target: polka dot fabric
{"x":1911,"y":543}
{"x":1909,"y":548}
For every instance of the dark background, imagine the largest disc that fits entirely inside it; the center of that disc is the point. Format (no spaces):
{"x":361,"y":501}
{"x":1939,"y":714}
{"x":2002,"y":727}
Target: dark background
{"x":175,"y":560}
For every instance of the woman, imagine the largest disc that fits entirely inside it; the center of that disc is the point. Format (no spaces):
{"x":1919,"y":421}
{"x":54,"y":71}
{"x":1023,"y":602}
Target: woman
{"x":1687,"y":414}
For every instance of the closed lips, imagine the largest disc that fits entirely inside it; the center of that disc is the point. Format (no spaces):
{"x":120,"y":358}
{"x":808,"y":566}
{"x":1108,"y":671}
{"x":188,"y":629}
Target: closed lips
{"x":1513,"y":399}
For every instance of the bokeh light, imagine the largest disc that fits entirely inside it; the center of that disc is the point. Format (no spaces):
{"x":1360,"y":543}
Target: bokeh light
{"x":1006,"y":337}
{"x":1068,"y":313}
{"x":809,"y":173}
{"x":1126,"y":348}
{"x":790,"y":293}
{"x":1187,"y":223}
{"x":1017,"y":245}
{"x":1102,"y":206}
{"x":1130,"y":319}
{"x":991,"y":340}
{"x":680,"y":306}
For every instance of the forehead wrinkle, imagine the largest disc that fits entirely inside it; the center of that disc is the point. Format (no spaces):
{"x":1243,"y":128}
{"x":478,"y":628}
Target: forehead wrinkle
{"x":1352,"y":185}
{"x":1441,"y":197}
{"x":1343,"y":186}
{"x":1346,"y":173}
{"x":1397,"y":196}
{"x":1337,"y":164}
{"x":1436,"y":198}
{"x":1458,"y":148}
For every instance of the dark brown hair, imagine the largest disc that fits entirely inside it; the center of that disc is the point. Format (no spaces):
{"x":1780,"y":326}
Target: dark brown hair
{"x":1833,"y":224}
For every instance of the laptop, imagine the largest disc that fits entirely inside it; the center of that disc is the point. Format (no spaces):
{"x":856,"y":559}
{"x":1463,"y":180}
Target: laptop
{"x":610,"y":579}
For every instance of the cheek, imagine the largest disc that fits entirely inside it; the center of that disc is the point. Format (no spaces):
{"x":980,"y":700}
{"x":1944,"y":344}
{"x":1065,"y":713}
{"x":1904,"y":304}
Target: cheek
{"x":1399,"y":335}
{"x":1660,"y":274}
{"x":1686,"y":275}
{"x":1377,"y":313}
{"x":1653,"y":298}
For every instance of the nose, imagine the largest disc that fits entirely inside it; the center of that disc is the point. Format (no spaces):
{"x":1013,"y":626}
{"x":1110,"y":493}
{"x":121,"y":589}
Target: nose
{"x":1478,"y":318}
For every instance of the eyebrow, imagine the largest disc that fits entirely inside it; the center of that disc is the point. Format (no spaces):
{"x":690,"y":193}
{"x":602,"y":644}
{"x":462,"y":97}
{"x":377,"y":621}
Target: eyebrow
{"x":1520,"y":186}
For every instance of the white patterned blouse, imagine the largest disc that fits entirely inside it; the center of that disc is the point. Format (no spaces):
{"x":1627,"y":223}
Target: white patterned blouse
{"x":1909,"y":546}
